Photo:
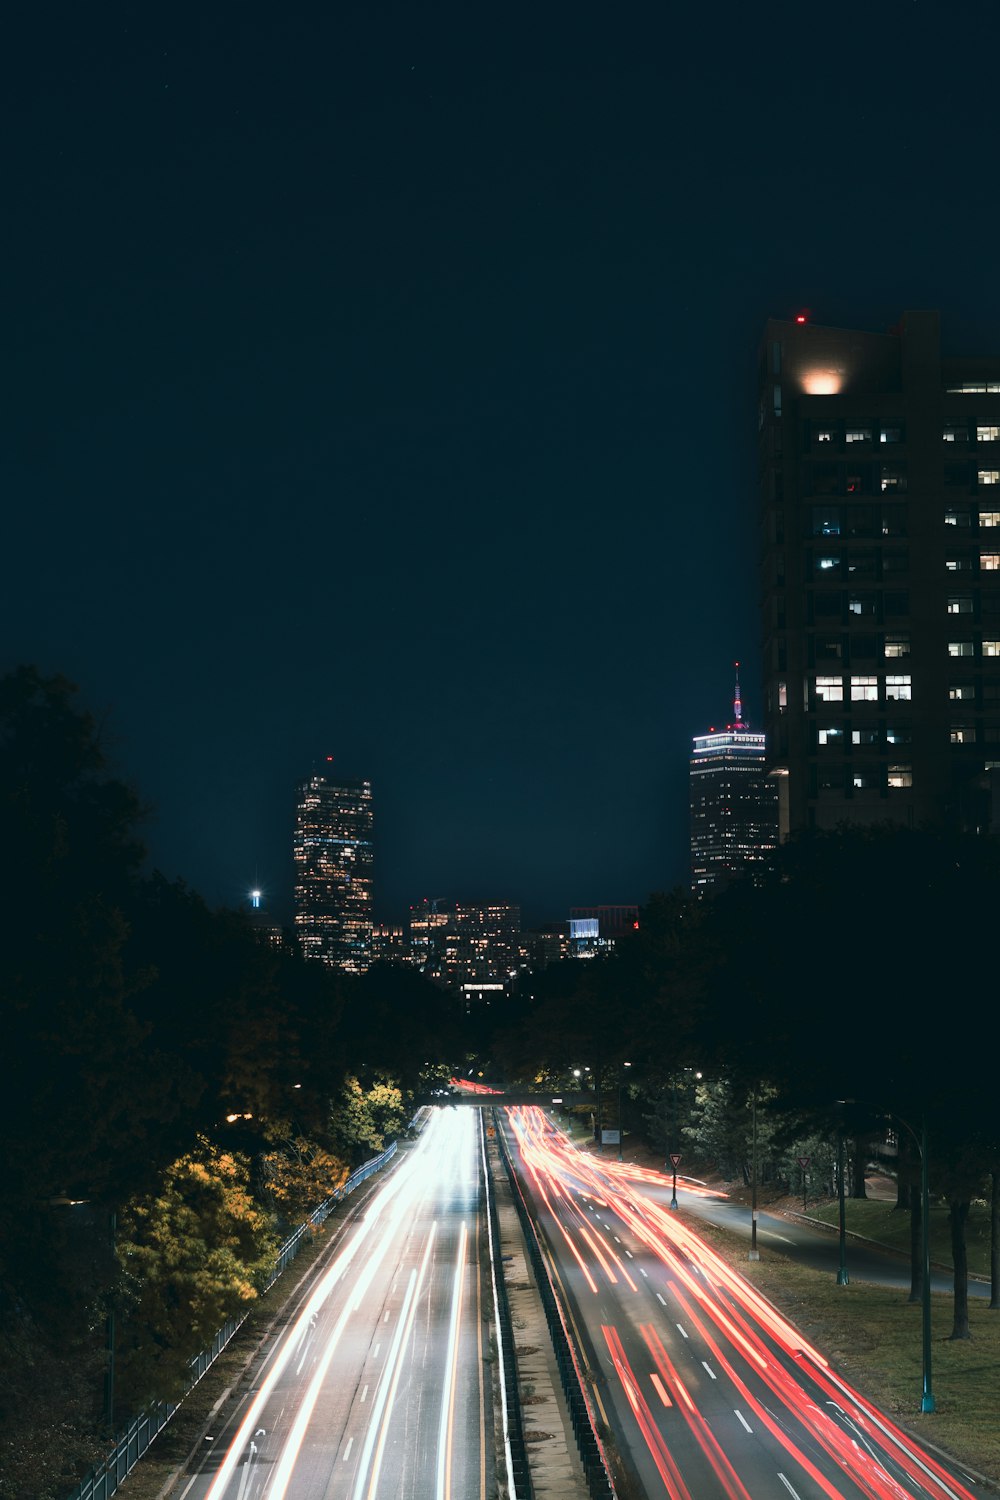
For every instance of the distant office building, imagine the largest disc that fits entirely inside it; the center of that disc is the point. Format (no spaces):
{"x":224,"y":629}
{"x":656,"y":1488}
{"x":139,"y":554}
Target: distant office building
{"x":734,"y":806}
{"x":472,"y":948}
{"x":333,"y":871}
{"x":389,"y":944}
{"x":482,"y":942}
{"x":264,"y":928}
{"x":880,"y":600}
{"x":428,"y":924}
{"x":595,"y":929}
{"x":543,"y":946}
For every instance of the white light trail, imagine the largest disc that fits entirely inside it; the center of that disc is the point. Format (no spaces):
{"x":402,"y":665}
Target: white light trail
{"x":448,"y":1393}
{"x":385,"y":1396}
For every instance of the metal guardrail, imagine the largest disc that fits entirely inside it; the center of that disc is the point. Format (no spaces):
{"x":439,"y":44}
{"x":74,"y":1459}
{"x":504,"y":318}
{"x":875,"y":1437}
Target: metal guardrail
{"x":130,"y":1444}
{"x":594,"y":1467}
{"x":518,"y":1468}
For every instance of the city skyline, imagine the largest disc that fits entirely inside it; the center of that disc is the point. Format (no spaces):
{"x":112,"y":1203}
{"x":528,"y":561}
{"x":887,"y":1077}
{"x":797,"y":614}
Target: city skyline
{"x":384,"y":386}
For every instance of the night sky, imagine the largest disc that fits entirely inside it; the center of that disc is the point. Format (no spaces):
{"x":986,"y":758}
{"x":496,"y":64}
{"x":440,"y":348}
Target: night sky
{"x":379,"y":382}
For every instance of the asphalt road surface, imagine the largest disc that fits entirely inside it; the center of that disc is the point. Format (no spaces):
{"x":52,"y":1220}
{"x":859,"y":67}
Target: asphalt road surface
{"x":379,"y":1390}
{"x":708,"y":1393}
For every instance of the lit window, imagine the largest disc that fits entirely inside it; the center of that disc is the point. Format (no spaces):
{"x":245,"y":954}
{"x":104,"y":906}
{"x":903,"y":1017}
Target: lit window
{"x":898,"y":736}
{"x":961,"y":648}
{"x":864,"y":736}
{"x":827,"y":564}
{"x":991,"y":648}
{"x":976,"y":388}
{"x":955,"y":434}
{"x":826,"y":520}
{"x":960,"y":604}
{"x":830,"y":689}
{"x":830,"y":736}
{"x":987,"y":434}
{"x":897,"y":645}
{"x":988,"y":476}
{"x":824,"y":436}
{"x":961,"y":692}
{"x":989,"y":518}
{"x":962,"y":734}
{"x":899,"y":688}
{"x":865,"y":777}
{"x":864,"y":689}
{"x":782,"y":696}
{"x":893,"y":479}
{"x":858,"y":434}
{"x":957,"y":518}
{"x":900,"y":776}
{"x":989,"y":561}
{"x":890,"y":435}
{"x":959,"y":564}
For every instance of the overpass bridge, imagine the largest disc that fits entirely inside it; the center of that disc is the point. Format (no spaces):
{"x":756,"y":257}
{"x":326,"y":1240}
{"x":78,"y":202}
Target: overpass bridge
{"x":471,"y":1099}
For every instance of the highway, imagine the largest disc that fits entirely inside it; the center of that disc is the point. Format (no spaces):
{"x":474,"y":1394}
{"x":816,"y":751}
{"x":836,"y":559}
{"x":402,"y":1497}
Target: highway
{"x":707,"y":1390}
{"x":379,"y":1387}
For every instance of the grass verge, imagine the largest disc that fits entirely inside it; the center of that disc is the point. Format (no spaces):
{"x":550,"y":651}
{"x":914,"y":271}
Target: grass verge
{"x":873,"y":1338}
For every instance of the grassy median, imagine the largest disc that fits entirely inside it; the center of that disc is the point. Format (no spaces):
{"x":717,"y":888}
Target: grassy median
{"x":873,"y":1337}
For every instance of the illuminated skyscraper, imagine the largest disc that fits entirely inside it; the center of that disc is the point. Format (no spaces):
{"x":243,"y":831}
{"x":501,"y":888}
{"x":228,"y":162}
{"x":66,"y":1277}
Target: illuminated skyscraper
{"x":734,"y":807}
{"x":880,"y":576}
{"x":333,"y":871}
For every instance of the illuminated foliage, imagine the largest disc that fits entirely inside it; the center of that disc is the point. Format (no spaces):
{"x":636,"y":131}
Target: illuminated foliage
{"x":362,"y":1121}
{"x":193,"y":1256}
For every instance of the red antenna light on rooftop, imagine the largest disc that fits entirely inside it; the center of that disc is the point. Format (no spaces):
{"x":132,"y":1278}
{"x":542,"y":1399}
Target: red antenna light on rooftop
{"x":802,"y":317}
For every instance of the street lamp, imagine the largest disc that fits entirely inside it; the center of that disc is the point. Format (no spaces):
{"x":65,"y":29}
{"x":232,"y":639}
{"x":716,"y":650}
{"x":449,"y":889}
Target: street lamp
{"x":927,"y":1402}
{"x":754,"y":1252}
{"x":842,"y":1277}
{"x":620,"y":1074}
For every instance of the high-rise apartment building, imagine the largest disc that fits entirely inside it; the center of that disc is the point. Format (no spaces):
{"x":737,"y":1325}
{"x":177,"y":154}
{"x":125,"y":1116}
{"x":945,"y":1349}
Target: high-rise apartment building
{"x":334,"y":860}
{"x":880,"y":587}
{"x":734,"y":804}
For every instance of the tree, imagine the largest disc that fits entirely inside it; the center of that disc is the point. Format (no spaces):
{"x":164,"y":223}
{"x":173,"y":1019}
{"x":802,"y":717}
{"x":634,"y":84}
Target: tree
{"x":297,"y":1175}
{"x":194,"y":1255}
{"x":363,"y":1121}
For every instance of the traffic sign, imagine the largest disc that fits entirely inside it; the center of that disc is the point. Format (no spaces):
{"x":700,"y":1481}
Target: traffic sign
{"x":675,"y":1157}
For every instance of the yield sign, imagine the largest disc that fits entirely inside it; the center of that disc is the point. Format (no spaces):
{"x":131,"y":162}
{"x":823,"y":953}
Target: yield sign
{"x":804,"y":1161}
{"x":675,"y":1157}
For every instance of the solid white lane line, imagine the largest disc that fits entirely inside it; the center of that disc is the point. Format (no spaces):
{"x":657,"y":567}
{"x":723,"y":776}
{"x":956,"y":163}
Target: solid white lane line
{"x":445,"y":1426}
{"x":788,"y":1487}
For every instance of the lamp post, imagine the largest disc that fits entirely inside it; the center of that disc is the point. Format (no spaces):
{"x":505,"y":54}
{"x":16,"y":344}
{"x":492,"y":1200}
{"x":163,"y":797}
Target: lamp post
{"x":621,"y":1071}
{"x":927,"y":1402}
{"x":842,"y":1277}
{"x":927,"y":1395}
{"x":754,"y":1252}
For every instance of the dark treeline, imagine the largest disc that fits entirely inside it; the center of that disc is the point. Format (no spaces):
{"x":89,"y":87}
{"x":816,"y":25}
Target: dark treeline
{"x":177,"y":1094}
{"x":849,"y":991}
